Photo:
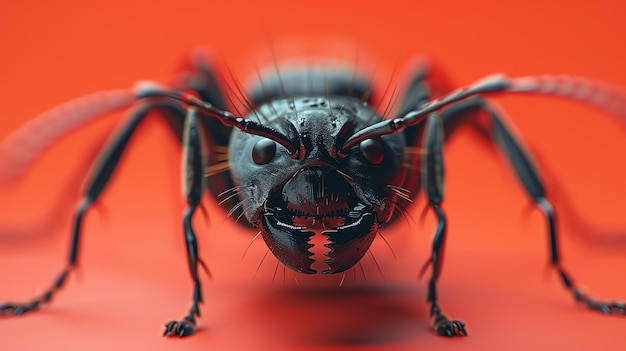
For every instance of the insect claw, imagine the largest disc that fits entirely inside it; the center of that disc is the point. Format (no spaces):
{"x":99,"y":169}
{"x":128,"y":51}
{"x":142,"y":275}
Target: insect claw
{"x":450,"y":328}
{"x":444,"y":329}
{"x":169,"y":327}
{"x":619,"y":307}
{"x":459,"y":327}
{"x":184,"y":329}
{"x":178,"y":328}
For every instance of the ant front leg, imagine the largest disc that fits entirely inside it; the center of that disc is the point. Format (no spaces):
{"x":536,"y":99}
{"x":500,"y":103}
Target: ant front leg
{"x":432,"y":169}
{"x":194,"y":156}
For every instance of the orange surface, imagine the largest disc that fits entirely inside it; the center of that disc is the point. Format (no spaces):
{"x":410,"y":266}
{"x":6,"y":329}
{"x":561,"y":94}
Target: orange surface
{"x":133,"y":274}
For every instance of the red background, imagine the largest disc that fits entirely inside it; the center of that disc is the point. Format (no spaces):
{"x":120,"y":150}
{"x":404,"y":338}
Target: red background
{"x":133,"y":272}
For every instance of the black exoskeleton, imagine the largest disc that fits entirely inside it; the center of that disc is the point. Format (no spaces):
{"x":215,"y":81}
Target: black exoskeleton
{"x":314,"y":154}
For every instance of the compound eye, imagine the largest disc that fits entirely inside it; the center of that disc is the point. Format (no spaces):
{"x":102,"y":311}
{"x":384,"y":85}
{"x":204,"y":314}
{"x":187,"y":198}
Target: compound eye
{"x":373,"y":151}
{"x":263,"y":151}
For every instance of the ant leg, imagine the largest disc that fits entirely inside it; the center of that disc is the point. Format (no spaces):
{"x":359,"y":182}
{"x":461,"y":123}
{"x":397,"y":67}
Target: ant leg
{"x":194,"y":163}
{"x":432,"y":168}
{"x":103,"y":169}
{"x":526,"y":171}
